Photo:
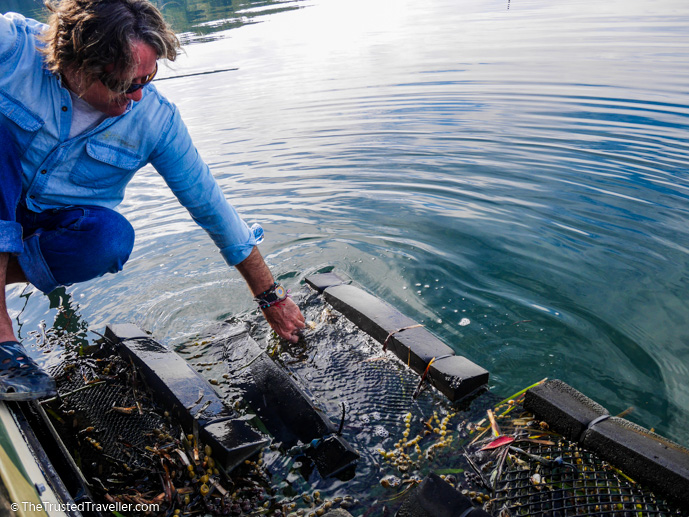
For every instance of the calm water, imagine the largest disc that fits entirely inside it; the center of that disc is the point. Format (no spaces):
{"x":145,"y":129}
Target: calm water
{"x":519,"y":164}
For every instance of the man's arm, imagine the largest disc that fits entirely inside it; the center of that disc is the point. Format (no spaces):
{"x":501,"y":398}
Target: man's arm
{"x":189,"y":178}
{"x":285,"y":318}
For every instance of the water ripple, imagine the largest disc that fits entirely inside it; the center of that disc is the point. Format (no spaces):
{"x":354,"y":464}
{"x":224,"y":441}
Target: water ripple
{"x":522,"y":168}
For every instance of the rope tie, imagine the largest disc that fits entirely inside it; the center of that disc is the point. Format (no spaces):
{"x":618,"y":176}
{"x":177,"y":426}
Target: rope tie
{"x":467,"y":512}
{"x":595,"y":421}
{"x":425,"y":373}
{"x":443,"y":357}
{"x":385,"y":343}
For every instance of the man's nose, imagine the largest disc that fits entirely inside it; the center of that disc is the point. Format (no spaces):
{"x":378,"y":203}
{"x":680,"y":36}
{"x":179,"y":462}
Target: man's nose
{"x":135,"y":96}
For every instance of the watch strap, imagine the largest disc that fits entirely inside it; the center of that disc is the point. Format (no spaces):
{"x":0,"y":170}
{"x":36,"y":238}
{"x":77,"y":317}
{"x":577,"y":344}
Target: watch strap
{"x":272,"y":296}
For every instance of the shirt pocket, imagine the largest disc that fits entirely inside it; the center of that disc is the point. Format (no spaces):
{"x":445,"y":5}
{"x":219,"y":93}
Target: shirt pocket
{"x":24,"y":124}
{"x":105,"y":165}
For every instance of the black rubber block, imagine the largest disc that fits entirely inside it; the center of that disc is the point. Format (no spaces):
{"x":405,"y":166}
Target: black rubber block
{"x":414,"y":346}
{"x":283,"y":405}
{"x":454,"y":376}
{"x":644,"y":456}
{"x":566,"y":410}
{"x":435,"y":497}
{"x":457,"y":377}
{"x":322,"y":281}
{"x":188,"y":396}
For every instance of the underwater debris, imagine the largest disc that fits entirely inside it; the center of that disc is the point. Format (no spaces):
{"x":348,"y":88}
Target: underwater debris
{"x":131,"y":450}
{"x":408,"y":454}
{"x":512,"y":464}
{"x":134,"y":452}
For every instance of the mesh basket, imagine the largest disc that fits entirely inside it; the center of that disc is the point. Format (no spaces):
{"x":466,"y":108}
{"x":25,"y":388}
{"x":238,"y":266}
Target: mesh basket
{"x":107,"y":417}
{"x":519,"y":467}
{"x":570,"y":481}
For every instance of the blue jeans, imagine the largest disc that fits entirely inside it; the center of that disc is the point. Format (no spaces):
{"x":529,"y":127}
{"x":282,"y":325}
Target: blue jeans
{"x":60,"y":246}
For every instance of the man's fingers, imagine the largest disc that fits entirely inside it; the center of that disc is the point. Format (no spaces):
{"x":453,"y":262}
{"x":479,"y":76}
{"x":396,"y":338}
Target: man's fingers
{"x":287,"y":320}
{"x":292,"y":337}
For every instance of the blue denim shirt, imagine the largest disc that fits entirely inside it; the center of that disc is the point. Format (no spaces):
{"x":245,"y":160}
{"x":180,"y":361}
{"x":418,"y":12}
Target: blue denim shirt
{"x":94,"y":167}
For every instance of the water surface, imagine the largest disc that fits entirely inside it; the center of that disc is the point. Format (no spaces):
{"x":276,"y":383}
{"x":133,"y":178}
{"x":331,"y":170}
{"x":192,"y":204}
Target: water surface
{"x":518,"y":164}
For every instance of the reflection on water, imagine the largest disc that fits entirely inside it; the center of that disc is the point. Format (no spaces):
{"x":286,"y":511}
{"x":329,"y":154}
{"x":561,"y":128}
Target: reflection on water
{"x":194,"y":20}
{"x":523,"y":169}
{"x":203,"y":20}
{"x":31,"y":8}
{"x":61,"y":330}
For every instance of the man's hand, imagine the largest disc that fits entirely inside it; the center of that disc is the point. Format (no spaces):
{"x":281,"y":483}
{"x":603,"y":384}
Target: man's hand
{"x":285,"y":319}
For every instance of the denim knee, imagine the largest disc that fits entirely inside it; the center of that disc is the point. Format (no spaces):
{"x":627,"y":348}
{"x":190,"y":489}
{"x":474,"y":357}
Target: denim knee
{"x":111,"y":239}
{"x":74,"y":245}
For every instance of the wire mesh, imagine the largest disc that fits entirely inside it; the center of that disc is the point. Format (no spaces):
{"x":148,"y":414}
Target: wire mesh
{"x":111,"y":418}
{"x":132,"y":451}
{"x":99,"y":416}
{"x":572,"y":481}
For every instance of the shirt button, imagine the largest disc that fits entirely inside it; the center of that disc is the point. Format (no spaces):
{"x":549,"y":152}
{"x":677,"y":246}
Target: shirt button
{"x":44,"y":171}
{"x":32,"y":197}
{"x":64,"y":108}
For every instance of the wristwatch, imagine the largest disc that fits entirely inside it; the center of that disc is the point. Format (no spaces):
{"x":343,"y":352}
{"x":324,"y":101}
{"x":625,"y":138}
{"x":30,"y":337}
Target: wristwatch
{"x":271,"y":296}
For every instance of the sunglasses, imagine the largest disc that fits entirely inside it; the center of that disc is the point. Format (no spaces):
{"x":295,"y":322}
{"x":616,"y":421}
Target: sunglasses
{"x":133,"y":87}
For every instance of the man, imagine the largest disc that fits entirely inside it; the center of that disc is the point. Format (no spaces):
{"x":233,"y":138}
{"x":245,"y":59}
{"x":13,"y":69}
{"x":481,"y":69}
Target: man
{"x":78,"y":117}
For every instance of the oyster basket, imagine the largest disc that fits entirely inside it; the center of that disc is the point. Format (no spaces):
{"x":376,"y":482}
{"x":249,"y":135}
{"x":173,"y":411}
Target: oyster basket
{"x":112,"y":421}
{"x":579,"y":484}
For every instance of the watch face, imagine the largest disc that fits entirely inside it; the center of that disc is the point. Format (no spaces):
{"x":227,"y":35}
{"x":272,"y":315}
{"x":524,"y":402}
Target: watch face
{"x":280,"y":291}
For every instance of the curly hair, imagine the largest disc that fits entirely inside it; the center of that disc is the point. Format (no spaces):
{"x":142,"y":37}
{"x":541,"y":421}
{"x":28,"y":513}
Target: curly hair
{"x":88,"y":35}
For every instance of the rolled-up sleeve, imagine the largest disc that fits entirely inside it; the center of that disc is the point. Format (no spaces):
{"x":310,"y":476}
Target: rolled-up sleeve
{"x":190,"y":179}
{"x":12,"y":39}
{"x":14,"y":30}
{"x":11,"y":237}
